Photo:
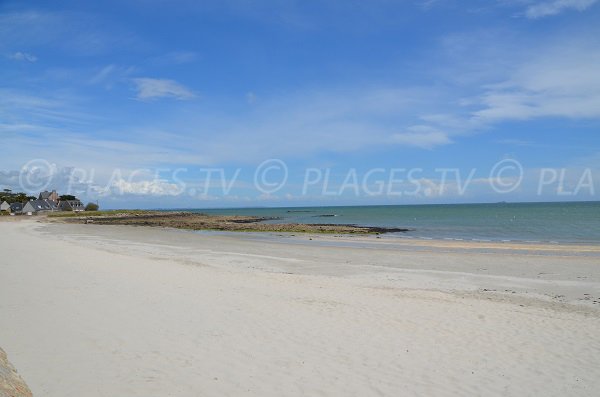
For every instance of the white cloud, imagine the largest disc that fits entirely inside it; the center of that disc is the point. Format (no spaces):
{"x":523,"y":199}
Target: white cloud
{"x":103,"y":74}
{"x":149,"y":89}
{"x":427,"y":4}
{"x":40,"y":175}
{"x":311,"y":122}
{"x":553,"y":7}
{"x":111,"y":75}
{"x":178,"y":57}
{"x":421,"y":136}
{"x":528,"y":80}
{"x":22,"y":108}
{"x":72,"y":32}
{"x":293,"y":126}
{"x":156,"y":187}
{"x":560,"y":82}
{"x":23,"y":56}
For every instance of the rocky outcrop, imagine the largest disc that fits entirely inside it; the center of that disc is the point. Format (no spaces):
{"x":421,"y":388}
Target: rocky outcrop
{"x":234,"y":223}
{"x":11,"y":384}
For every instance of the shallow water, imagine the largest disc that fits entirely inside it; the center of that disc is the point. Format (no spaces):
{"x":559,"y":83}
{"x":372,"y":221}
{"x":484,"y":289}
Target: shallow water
{"x":532,"y":222}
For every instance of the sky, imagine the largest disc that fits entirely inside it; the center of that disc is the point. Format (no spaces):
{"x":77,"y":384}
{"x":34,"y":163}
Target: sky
{"x":200,"y":104}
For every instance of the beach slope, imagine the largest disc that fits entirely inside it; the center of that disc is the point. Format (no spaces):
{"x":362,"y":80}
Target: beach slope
{"x":89,"y":310}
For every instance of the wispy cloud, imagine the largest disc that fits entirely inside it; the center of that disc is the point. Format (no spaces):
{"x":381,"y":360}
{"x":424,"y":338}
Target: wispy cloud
{"x":528,"y":81}
{"x":149,"y":89}
{"x":422,"y":136}
{"x":103,"y":74}
{"x":111,"y":75}
{"x":76,"y":33}
{"x":22,"y":56}
{"x":308,"y":123}
{"x":553,"y":7}
{"x":19,"y":107}
{"x":427,"y":4}
{"x":291,"y":126}
{"x":563,"y":81}
{"x":175,"y":58}
{"x":515,"y":142}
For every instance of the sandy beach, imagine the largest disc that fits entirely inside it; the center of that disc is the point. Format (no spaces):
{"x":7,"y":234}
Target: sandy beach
{"x":94,"y":310}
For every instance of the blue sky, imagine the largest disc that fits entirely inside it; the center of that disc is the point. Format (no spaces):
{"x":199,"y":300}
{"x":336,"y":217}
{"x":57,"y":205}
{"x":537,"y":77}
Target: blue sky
{"x":136,"y":103}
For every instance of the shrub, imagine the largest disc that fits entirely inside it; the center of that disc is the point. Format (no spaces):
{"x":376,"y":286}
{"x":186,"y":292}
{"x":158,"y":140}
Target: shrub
{"x":92,"y":207}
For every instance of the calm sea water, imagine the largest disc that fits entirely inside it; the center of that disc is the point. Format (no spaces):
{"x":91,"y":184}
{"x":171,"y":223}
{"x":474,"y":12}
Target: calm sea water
{"x":544,"y":222}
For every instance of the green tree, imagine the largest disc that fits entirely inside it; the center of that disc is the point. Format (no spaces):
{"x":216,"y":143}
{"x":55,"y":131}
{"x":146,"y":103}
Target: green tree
{"x":18,"y":198}
{"x":66,"y":197}
{"x":92,"y":207}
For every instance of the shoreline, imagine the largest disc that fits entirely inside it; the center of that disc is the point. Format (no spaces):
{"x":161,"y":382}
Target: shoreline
{"x":194,"y":221}
{"x":338,"y":233}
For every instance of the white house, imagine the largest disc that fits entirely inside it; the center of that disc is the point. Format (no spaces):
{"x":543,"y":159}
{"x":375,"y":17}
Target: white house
{"x":5,"y":206}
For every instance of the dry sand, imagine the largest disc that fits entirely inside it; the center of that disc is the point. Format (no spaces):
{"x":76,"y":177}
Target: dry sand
{"x":89,"y":310}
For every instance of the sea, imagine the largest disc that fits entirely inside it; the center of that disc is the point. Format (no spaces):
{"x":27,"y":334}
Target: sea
{"x":557,"y":222}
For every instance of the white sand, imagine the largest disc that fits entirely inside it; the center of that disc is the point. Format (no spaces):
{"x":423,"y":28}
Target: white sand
{"x":121,"y":311}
